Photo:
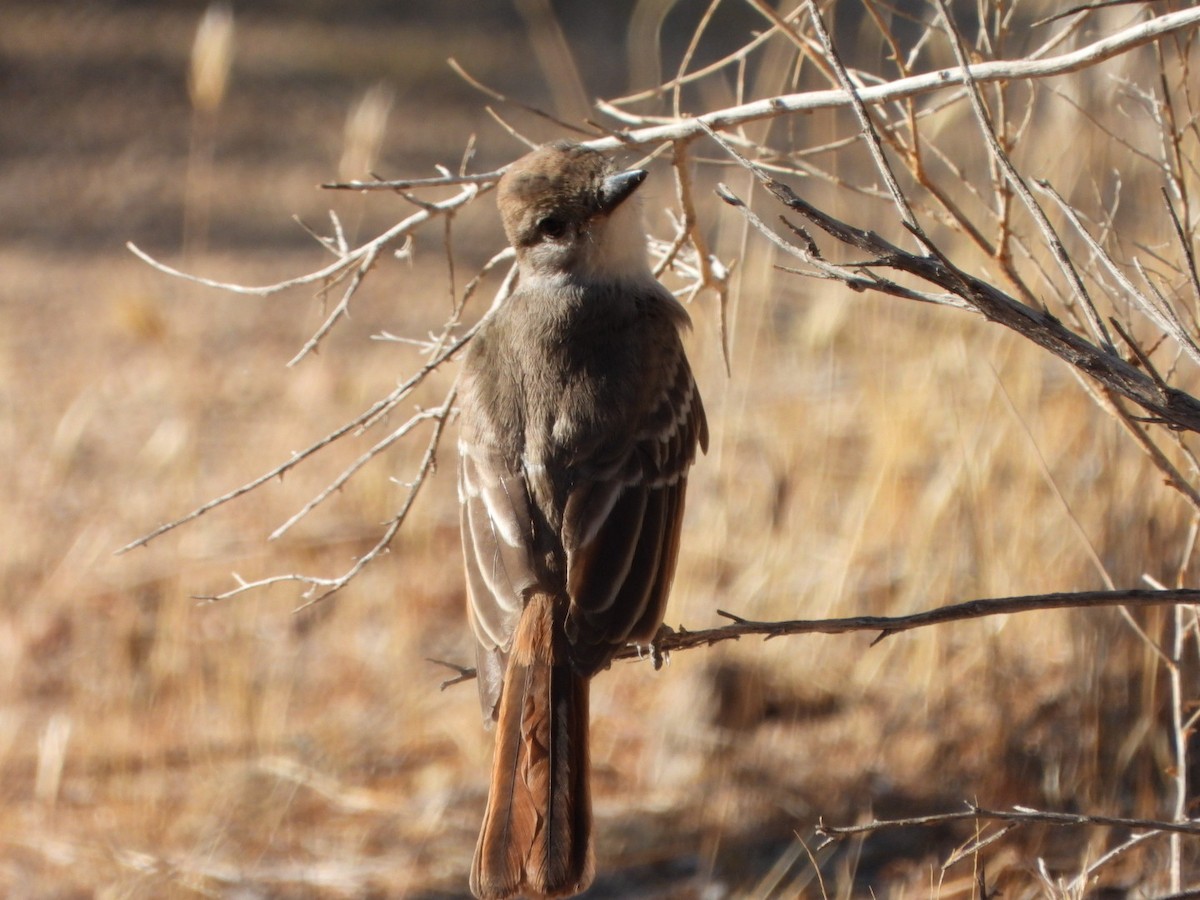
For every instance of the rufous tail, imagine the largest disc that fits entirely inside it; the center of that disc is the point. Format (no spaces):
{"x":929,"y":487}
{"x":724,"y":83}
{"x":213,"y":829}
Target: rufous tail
{"x":536,"y":838}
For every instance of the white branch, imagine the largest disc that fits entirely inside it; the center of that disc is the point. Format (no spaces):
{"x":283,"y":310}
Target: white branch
{"x":983,"y":73}
{"x":360,"y":254}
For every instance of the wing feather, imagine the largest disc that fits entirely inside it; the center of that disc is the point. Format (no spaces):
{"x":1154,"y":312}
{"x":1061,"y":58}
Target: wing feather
{"x":621,"y":524}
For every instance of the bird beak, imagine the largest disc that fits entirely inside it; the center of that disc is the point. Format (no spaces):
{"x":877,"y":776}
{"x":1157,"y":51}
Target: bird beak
{"x":617,"y":188}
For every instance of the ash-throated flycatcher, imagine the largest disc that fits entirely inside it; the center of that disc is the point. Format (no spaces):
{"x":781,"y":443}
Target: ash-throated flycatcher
{"x":580,"y":419}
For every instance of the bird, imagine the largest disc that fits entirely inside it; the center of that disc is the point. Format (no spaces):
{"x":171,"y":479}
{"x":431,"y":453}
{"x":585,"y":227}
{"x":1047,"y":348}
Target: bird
{"x":579,"y":421}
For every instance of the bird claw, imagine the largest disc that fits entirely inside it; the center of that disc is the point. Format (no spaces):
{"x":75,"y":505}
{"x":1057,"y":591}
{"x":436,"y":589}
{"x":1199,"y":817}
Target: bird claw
{"x":657,"y":656}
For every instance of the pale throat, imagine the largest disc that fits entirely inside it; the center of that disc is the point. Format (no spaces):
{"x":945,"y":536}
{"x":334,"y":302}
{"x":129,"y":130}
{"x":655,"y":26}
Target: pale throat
{"x":617,"y":251}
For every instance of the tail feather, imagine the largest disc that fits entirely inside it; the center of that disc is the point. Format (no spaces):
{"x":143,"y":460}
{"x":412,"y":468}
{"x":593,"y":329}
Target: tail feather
{"x":536,"y":835}
{"x":511,"y":819}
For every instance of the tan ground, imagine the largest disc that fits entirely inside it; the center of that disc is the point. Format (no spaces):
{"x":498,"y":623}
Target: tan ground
{"x":868,"y":457}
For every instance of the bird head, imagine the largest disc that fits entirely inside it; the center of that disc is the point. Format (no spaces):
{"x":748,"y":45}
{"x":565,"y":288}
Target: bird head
{"x":567,"y":211}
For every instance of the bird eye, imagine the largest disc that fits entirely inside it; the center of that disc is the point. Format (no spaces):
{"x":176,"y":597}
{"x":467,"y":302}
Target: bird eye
{"x":552,"y":227}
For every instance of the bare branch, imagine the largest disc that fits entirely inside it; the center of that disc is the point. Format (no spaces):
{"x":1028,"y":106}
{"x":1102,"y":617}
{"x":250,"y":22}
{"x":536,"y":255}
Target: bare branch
{"x":867,"y":128}
{"x":732,"y":59}
{"x":810,"y":254}
{"x":378,"y":408}
{"x":1171,"y":475}
{"x":331,"y":586}
{"x":502,"y":98}
{"x":855,"y":279}
{"x":997,"y":70}
{"x":370,"y":248}
{"x":977,"y":844}
{"x":1082,"y":7}
{"x":342,"y":308}
{"x":711,"y":273}
{"x":1172,"y":406}
{"x":1162,"y":315}
{"x":670,"y":641}
{"x":485,"y":179}
{"x":1080,"y":881}
{"x":462,"y":673}
{"x":1185,"y":247}
{"x":1020,"y":814}
{"x":1013,"y":177}
{"x":348,"y":473}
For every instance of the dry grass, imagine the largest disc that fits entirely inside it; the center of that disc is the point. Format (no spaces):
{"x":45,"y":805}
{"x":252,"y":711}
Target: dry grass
{"x":868,"y":457}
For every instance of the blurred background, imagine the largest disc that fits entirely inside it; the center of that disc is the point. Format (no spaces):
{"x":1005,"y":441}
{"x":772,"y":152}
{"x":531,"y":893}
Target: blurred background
{"x":868,"y":457}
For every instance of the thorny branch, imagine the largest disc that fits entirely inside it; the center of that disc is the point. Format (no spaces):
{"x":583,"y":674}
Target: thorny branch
{"x":673,"y":640}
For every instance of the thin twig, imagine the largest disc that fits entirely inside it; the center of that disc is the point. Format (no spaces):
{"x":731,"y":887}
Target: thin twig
{"x":378,"y":408}
{"x":855,"y":279}
{"x":1013,"y":177}
{"x":1161,"y":315}
{"x":1185,"y":246}
{"x":331,"y":586}
{"x":1171,"y":475}
{"x":711,"y":276}
{"x":867,"y":128}
{"x":474,"y":82}
{"x":466,"y":195}
{"x":976,"y":844}
{"x":681,"y":79}
{"x":341,"y":310}
{"x":349,"y":471}
{"x":1080,"y":881}
{"x":1178,"y":408}
{"x":1020,"y":814}
{"x":484,"y":178}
